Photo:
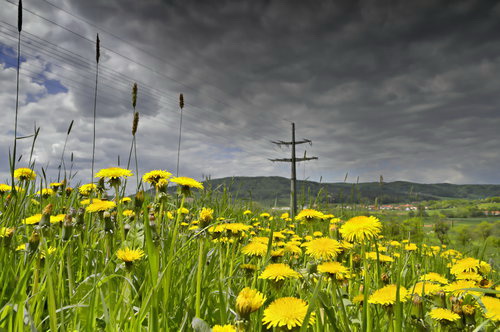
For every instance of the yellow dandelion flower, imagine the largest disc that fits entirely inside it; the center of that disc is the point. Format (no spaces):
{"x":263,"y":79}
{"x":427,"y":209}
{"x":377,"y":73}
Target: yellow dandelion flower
{"x":458,"y":288}
{"x":34,"y":219}
{"x":246,"y":212}
{"x":387,"y":295}
{"x":224,"y":328}
{"x":45,"y":192}
{"x":125,"y":200}
{"x":451,"y":253}
{"x":484,"y":268}
{"x":187,"y":182}
{"x":278,"y":272}
{"x":248,"y":301}
{"x":21,"y":247}
{"x":317,"y":234}
{"x":113,"y":173}
{"x":48,"y":252}
{"x":87,"y":201}
{"x":254,"y":248}
{"x":100,"y":206}
{"x":24,"y":174}
{"x":285,"y":215}
{"x":248,"y":267}
{"x":323,"y":248}
{"x":128,"y":255}
{"x":335,"y":270}
{"x":372,"y":255}
{"x":57,"y":218}
{"x":469,"y":276}
{"x":309,"y":215}
{"x":359,"y":229}
{"x":441,"y":314}
{"x":358,"y":299}
{"x":468,"y":264}
{"x":395,"y":244}
{"x":292,"y":248}
{"x":56,"y":184}
{"x":286,"y":312}
{"x":128,"y":213}
{"x":86,"y":189}
{"x":6,"y":231}
{"x":426,"y":288}
{"x":264,"y":215}
{"x":411,"y":247}
{"x":4,"y":188}
{"x":433,"y":276}
{"x":491,"y":308}
{"x":154,"y":176}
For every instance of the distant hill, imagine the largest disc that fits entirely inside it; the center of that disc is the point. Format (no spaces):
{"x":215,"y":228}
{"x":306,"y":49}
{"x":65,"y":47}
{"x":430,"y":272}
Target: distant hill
{"x":271,"y":190}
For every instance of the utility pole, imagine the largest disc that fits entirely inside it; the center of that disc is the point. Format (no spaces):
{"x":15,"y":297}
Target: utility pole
{"x":293,"y":160}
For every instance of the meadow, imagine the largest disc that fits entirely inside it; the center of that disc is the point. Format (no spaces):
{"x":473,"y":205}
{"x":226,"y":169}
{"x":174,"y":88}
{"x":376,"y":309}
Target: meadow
{"x":89,"y":258}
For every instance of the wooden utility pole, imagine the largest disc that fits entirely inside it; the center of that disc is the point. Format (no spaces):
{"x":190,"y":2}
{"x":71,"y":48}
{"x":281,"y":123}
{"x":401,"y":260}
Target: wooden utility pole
{"x":293,"y":160}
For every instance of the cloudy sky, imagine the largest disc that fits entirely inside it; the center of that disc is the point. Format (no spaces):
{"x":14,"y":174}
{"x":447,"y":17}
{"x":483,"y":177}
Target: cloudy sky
{"x":404,"y":89}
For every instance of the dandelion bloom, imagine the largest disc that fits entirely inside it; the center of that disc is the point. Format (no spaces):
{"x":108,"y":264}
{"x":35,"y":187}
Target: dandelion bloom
{"x":359,"y":229}
{"x":187,"y":182}
{"x":458,"y":288}
{"x":372,"y":255}
{"x":492,"y":308}
{"x":470,"y":265}
{"x":154,"y":176}
{"x":426,"y":288}
{"x":334,"y":269}
{"x":248,"y":301}
{"x":323,"y":248}
{"x":264,"y":215}
{"x":278,"y":272}
{"x":100,"y":206}
{"x":56,"y":184}
{"x":292,"y":248}
{"x":411,"y":247}
{"x":246,"y":212}
{"x":224,"y":328}
{"x":387,"y":295}
{"x":248,"y":267}
{"x":469,"y":276}
{"x":286,"y":312}
{"x":86,"y":189}
{"x":6,"y":232}
{"x":436,"y":277}
{"x":443,"y":315}
{"x":24,"y":174}
{"x":45,"y":192}
{"x":34,"y":219}
{"x":309,"y":215}
{"x":113,"y":173}
{"x":56,"y":219}
{"x":128,"y":213}
{"x":87,"y":201}
{"x":4,"y":188}
{"x":128,"y":255}
{"x":254,"y":248}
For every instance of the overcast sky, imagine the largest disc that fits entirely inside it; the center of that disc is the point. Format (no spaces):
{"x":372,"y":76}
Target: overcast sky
{"x":404,"y":89}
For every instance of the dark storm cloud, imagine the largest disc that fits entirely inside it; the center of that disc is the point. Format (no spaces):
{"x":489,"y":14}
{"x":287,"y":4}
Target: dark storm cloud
{"x":400,"y":88}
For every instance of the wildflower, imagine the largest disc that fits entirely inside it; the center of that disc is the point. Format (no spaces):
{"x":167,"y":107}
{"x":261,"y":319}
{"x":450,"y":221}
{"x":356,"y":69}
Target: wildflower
{"x":186,"y":182}
{"x":469,"y":276}
{"x":128,"y":255}
{"x":334,"y":270}
{"x":248,"y":267}
{"x":206,"y":217}
{"x":24,"y":174}
{"x":265,"y":215}
{"x":45,"y":192}
{"x":383,"y":258}
{"x":457,"y":288}
{"x":386,"y":296}
{"x":278,"y":272}
{"x":309,"y":215}
{"x":323,"y":248}
{"x":87,"y":201}
{"x":436,"y":277}
{"x":225,"y":328}
{"x":395,"y":244}
{"x":155,"y":176}
{"x":34,"y":219}
{"x":246,"y":212}
{"x":443,"y":315}
{"x":100,"y":206}
{"x":113,"y":173}
{"x":491,"y":308}
{"x":56,"y":185}
{"x":126,"y":200}
{"x":292,"y":248}
{"x":358,"y":299}
{"x":6,"y":232}
{"x":286,"y":312}
{"x":128,"y":213}
{"x":248,"y":301}
{"x":285,"y":215}
{"x":317,"y":234}
{"x":254,"y":248}
{"x":4,"y":188}
{"x":48,"y":252}
{"x":87,"y":189}
{"x":360,"y":228}
{"x":426,"y":288}
{"x":411,"y":247}
{"x":57,"y":218}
